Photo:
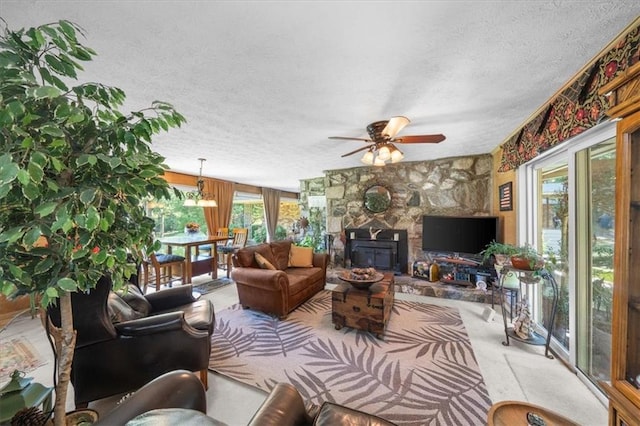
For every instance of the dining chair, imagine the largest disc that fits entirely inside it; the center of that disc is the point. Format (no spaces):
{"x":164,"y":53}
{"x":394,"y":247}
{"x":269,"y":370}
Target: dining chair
{"x":221,"y":232}
{"x":162,"y":265}
{"x":225,"y":251}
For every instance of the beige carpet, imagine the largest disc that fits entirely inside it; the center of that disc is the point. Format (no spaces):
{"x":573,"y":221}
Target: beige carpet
{"x":18,"y":354}
{"x":423,"y":372}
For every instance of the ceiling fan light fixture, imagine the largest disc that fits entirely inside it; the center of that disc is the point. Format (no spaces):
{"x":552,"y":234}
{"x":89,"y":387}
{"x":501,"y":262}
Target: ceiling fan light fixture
{"x":381,"y":148}
{"x":384,"y":153}
{"x":396,"y":155}
{"x":199,"y":198}
{"x":367,"y":158}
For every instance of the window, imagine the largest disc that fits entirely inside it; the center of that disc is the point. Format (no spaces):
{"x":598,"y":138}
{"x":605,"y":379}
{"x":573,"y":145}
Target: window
{"x":171,"y":216}
{"x":248,"y":212}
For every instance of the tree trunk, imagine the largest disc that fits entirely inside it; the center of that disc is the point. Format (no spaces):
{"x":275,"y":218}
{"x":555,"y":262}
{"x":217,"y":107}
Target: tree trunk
{"x":65,"y":339}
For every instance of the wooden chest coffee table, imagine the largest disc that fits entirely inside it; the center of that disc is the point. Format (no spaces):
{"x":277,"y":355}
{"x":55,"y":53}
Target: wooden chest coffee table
{"x":367,"y":310}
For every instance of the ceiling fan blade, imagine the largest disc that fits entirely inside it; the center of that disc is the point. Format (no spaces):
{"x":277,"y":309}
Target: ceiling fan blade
{"x":357,"y":150}
{"x":394,"y":126}
{"x":420,"y":139}
{"x":350,"y":139}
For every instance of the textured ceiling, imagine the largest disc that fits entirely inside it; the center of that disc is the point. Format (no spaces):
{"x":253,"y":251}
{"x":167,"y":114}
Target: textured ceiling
{"x":263,"y":84}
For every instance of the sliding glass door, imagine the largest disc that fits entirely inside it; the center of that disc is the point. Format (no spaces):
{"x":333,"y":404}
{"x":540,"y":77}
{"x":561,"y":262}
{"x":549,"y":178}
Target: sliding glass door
{"x":553,"y":234}
{"x":595,"y":188}
{"x":568,"y":210}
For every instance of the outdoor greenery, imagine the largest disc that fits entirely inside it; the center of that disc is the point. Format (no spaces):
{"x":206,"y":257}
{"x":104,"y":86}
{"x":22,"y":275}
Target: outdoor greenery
{"x":171,"y":216}
{"x":259,"y":233}
{"x":251,"y":215}
{"x":74,"y":172}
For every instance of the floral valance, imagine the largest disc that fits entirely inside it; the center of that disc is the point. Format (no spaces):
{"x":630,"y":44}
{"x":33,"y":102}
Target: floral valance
{"x":577,"y":108}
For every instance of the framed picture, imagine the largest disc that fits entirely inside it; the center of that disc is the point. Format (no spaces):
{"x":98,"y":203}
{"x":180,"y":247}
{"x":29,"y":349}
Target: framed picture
{"x":505,"y":195}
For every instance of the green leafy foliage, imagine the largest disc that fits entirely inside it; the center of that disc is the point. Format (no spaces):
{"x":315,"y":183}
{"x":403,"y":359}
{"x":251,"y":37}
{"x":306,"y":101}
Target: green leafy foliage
{"x":74,"y":169}
{"x":259,"y":233}
{"x":494,"y":248}
{"x":315,"y":234}
{"x":527,"y":252}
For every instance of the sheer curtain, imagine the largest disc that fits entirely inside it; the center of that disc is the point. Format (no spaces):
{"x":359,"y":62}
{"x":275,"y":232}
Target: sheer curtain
{"x":218,"y":217}
{"x":271,"y":200}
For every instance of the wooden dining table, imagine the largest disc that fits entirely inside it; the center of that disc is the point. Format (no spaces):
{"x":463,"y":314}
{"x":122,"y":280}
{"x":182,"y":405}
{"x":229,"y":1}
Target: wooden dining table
{"x":196,"y":264}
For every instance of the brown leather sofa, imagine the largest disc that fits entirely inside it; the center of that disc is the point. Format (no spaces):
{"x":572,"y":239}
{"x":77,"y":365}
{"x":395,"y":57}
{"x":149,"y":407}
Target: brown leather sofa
{"x":281,"y":290}
{"x":125,"y":340}
{"x":177,"y":398}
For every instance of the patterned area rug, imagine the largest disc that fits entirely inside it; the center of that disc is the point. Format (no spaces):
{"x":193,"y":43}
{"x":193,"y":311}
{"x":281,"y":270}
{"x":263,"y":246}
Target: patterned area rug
{"x":423,"y":371}
{"x":209,"y":286}
{"x":18,"y":354}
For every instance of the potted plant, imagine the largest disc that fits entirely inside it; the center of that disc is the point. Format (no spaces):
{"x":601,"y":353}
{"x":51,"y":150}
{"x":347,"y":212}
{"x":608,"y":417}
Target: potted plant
{"x":521,"y":257}
{"x":498,"y":252}
{"x":527,"y":258}
{"x":73,"y":174}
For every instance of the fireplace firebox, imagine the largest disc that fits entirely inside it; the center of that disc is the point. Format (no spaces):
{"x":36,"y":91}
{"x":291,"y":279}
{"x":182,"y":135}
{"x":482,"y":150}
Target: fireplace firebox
{"x":387,"y":252}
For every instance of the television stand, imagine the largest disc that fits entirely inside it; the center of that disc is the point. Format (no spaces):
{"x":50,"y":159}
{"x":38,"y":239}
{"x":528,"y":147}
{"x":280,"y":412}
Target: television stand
{"x":462,"y":271}
{"x":458,"y":260}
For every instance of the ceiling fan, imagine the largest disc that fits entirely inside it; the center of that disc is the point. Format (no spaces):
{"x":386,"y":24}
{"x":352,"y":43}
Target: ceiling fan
{"x":382,"y":139}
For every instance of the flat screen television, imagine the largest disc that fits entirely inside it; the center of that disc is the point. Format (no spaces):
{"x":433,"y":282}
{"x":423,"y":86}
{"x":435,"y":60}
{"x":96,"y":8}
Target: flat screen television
{"x":458,"y":234}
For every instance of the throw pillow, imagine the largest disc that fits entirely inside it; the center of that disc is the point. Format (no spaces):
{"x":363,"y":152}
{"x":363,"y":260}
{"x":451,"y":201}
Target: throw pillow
{"x":301,"y":257}
{"x":119,"y":310}
{"x":264,"y":263}
{"x":134,"y":298}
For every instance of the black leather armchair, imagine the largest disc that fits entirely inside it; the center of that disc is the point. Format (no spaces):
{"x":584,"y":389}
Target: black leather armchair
{"x":151,"y":335}
{"x":177,"y":390}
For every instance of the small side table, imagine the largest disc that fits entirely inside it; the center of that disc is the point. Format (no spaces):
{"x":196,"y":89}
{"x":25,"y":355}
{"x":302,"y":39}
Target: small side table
{"x":527,"y":281}
{"x":19,"y":393}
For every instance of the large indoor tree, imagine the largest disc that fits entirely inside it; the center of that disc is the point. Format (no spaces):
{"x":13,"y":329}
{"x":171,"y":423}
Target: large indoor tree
{"x":74,"y":172}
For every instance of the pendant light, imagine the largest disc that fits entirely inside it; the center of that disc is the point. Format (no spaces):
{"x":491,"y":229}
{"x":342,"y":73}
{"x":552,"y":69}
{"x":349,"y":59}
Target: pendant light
{"x":199,"y":198}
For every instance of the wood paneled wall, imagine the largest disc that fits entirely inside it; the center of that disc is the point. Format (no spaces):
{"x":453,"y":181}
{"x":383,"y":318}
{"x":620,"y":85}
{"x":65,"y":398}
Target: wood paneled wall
{"x":191,"y":180}
{"x":508,"y":225}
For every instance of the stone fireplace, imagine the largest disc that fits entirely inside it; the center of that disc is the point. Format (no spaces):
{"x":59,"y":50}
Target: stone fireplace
{"x":458,"y":186}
